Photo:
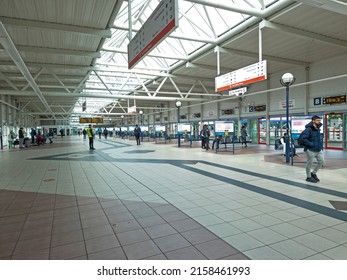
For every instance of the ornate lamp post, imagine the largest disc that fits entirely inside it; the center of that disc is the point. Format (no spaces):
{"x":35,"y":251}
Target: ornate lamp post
{"x":141,"y":115}
{"x":178,"y":106}
{"x":287,"y":80}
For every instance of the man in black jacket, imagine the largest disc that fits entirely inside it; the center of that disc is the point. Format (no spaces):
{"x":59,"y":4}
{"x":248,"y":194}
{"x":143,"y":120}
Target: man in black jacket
{"x":313,"y":146}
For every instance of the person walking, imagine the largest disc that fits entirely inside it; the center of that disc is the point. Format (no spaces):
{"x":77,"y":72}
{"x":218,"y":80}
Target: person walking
{"x":137,"y":133}
{"x":91,"y":137}
{"x":21,"y":137}
{"x":244,"y":135}
{"x":313,"y":147}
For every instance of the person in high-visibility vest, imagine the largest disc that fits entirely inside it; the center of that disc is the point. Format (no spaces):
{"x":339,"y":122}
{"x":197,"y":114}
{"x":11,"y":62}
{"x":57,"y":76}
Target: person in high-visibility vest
{"x":91,"y":138}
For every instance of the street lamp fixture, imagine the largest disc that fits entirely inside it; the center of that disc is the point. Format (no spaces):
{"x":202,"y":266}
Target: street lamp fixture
{"x":286,"y":81}
{"x":178,"y":106}
{"x":141,"y":115}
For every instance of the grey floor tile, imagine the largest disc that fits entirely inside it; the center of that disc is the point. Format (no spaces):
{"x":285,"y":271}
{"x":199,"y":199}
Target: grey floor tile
{"x":243,"y":242}
{"x":199,"y":235}
{"x":124,"y":226}
{"x":171,"y":242}
{"x":110,"y":254}
{"x":151,"y":221}
{"x":293,"y":250}
{"x":160,"y":230}
{"x":315,"y":242}
{"x":101,"y":243}
{"x":216,"y":249}
{"x":133,"y":236}
{"x":185,"y":225}
{"x":267,"y":236}
{"x":68,"y":251}
{"x":265,"y":253}
{"x":188,"y":253}
{"x":141,"y":250}
{"x":337,"y":253}
{"x":98,"y":231}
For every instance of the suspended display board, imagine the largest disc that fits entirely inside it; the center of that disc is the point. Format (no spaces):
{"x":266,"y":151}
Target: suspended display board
{"x":91,"y":120}
{"x":238,"y":78}
{"x":160,"y":24}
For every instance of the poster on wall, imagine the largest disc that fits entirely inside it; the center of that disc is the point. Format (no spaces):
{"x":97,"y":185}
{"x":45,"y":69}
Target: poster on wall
{"x":227,"y":112}
{"x":183,"y":127}
{"x":291,"y":103}
{"x":210,"y":113}
{"x":221,"y":126}
{"x":298,"y":125}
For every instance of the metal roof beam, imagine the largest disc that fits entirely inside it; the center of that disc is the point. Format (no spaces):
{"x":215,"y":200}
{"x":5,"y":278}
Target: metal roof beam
{"x":101,"y":96}
{"x":174,"y":36}
{"x":124,"y":51}
{"x":10,"y":48}
{"x":220,"y":4}
{"x":330,"y":5}
{"x":58,"y":51}
{"x":303,"y":33}
{"x":56,"y":27}
{"x":267,"y":57}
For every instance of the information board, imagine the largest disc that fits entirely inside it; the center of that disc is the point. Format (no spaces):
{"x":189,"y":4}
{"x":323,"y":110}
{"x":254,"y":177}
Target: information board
{"x":91,"y":120}
{"x":221,"y":126}
{"x":183,"y":127}
{"x":247,"y":75}
{"x":161,"y":22}
{"x":334,"y":99}
{"x":159,"y":128}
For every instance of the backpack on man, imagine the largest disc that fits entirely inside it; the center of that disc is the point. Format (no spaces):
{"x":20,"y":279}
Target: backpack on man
{"x":301,"y":140}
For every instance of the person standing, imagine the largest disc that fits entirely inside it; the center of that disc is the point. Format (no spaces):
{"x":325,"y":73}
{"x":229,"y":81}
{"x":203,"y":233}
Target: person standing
{"x":206,"y":137}
{"x":84,"y":132}
{"x":313,"y":147}
{"x":137,"y":133}
{"x":21,"y":137}
{"x":11,"y":137}
{"x":105,"y":132}
{"x":91,"y":137}
{"x":32,"y":134}
{"x":283,"y":143}
{"x":244,"y":135}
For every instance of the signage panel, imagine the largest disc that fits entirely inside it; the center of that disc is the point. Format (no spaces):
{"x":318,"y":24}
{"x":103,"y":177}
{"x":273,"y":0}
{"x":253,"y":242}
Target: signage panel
{"x":334,"y":99}
{"x":283,"y":104}
{"x":224,"y":126}
{"x":161,"y":22}
{"x":247,"y":75}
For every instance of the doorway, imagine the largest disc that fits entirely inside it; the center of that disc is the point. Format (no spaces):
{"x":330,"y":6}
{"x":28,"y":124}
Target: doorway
{"x":334,"y":130}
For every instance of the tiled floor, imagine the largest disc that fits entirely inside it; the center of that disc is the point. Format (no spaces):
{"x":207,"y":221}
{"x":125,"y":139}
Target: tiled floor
{"x":123,"y":201}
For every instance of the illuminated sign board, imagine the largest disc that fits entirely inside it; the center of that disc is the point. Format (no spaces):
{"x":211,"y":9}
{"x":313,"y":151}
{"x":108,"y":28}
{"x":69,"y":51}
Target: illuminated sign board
{"x":91,"y":120}
{"x":160,"y":23}
{"x":247,"y":75}
{"x":334,"y":99}
{"x":227,"y":112}
{"x":224,"y":126}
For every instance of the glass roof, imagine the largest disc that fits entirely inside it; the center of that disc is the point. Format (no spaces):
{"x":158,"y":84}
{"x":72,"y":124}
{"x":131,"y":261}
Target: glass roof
{"x":196,"y":21}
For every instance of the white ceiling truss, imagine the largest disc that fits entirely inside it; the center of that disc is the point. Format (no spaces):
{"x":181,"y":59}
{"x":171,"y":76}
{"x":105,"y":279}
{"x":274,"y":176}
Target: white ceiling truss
{"x":57,"y":56}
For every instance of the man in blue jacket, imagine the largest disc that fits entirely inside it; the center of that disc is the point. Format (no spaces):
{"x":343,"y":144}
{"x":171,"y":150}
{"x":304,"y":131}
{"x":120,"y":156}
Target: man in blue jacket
{"x":313,"y":147}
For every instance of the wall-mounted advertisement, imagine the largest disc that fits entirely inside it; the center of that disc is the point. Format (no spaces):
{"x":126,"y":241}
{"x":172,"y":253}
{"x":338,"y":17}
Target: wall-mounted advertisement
{"x":144,"y":127}
{"x":131,"y":128}
{"x":124,"y":128}
{"x":222,"y":126}
{"x":159,"y":128}
{"x":298,"y":124}
{"x":183,"y":128}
